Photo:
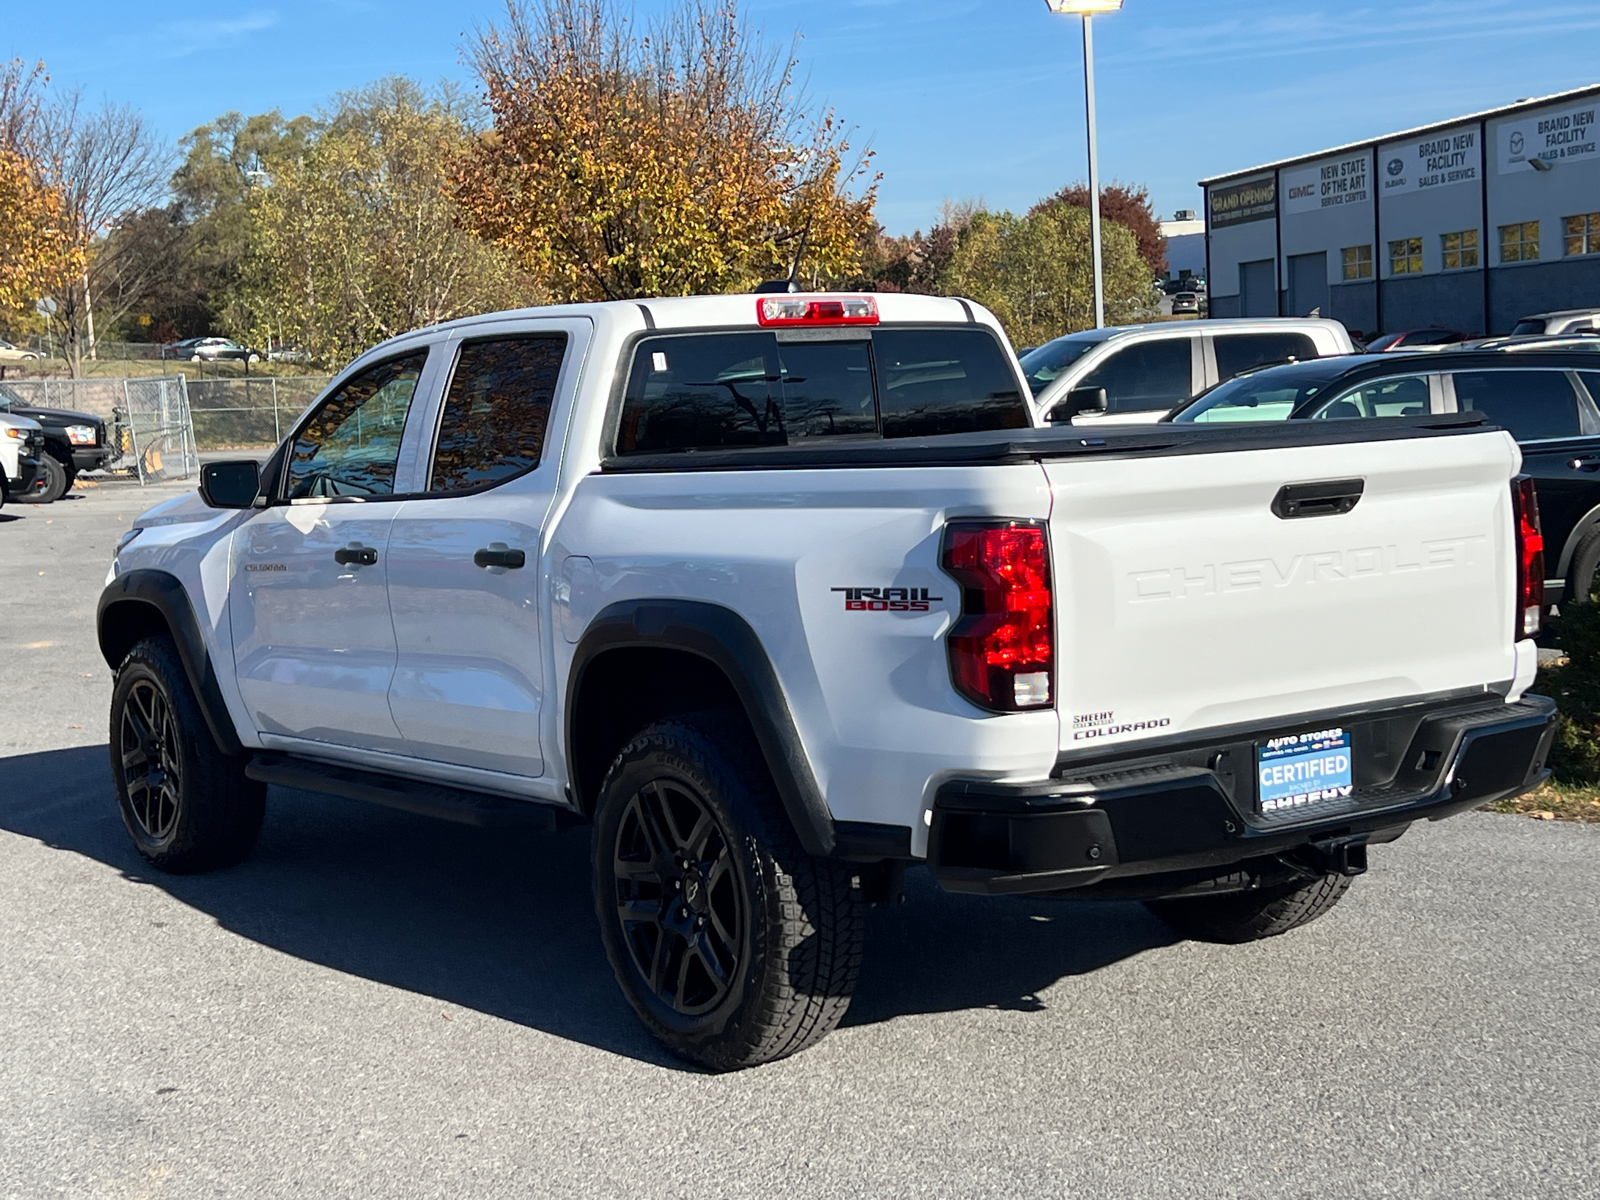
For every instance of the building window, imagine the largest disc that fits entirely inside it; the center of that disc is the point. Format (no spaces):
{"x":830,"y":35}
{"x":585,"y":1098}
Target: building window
{"x":1357,"y":262}
{"x":1519,"y":243}
{"x":1460,"y":249}
{"x":1583,"y":233}
{"x":1405,"y":256}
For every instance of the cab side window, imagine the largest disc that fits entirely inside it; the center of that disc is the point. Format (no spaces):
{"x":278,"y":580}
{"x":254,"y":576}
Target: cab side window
{"x":1238,"y":352}
{"x":1406,"y":396}
{"x":496,"y":412}
{"x":1531,"y":404}
{"x":351,"y":444}
{"x":1145,"y":375}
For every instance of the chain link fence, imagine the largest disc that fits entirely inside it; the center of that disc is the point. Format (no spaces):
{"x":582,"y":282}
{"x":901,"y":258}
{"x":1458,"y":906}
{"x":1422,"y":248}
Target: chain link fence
{"x":148,"y":421}
{"x":246,"y":414}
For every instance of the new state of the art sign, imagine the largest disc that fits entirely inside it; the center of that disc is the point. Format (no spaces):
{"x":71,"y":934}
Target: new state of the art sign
{"x":1332,"y":184}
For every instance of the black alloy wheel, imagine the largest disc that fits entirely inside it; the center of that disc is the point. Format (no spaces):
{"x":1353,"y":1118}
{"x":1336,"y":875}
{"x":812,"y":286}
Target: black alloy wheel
{"x":678,"y":899}
{"x":151,"y":761}
{"x":187,"y":805}
{"x":733,"y":945}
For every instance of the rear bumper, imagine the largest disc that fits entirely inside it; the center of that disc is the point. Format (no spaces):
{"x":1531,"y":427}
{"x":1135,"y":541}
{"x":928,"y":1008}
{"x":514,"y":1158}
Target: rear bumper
{"x":1188,"y":813}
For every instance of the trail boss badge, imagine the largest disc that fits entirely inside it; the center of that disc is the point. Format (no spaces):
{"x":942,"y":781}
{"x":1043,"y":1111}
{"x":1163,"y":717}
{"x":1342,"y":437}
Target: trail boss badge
{"x":889,"y":599}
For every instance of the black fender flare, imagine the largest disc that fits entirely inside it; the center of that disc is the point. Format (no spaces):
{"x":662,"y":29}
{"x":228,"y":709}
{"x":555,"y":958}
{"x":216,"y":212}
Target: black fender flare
{"x":123,"y":617}
{"x":725,"y":639}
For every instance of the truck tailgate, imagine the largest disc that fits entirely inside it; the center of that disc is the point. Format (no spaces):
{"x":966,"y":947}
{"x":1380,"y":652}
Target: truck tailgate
{"x":1185,"y":603}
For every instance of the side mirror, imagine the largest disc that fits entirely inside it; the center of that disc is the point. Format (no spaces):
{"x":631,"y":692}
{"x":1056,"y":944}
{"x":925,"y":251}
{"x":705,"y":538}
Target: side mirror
{"x":230,"y":484}
{"x":1079,"y":400}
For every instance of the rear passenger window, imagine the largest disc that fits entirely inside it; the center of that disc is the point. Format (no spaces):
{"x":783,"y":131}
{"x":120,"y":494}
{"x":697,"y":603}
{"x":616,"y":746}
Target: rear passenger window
{"x":1406,"y":396}
{"x":1238,"y":352}
{"x":496,"y":411}
{"x":1531,"y":404}
{"x":1145,"y":375}
{"x":731,"y":390}
{"x":944,"y":381}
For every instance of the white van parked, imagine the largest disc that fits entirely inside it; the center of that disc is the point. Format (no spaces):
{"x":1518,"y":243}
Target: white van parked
{"x":1145,"y":370}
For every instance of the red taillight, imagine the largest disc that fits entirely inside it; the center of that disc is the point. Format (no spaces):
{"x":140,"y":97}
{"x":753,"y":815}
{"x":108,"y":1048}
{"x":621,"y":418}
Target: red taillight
{"x":810,"y":310}
{"x":1002,"y":649}
{"x":1530,"y":556}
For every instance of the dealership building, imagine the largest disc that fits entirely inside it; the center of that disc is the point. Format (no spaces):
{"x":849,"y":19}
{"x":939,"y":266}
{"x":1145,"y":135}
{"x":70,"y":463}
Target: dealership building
{"x":1468,"y":224}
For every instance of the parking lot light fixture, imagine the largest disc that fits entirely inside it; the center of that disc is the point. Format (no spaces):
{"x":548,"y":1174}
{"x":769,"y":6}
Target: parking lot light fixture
{"x":1087,"y":9}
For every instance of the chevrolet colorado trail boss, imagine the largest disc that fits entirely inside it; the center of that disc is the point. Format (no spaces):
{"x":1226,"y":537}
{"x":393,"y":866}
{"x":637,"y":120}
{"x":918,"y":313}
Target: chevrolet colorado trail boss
{"x":782,"y":594}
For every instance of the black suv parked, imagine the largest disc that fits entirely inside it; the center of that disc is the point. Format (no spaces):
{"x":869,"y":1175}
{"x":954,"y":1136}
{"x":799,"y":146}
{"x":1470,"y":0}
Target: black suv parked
{"x":1546,"y":398}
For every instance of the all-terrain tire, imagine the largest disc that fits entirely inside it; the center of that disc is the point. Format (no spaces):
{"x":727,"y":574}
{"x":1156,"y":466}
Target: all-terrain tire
{"x":186,"y":804}
{"x":734,"y":946}
{"x":55,"y":482}
{"x":1236,"y":917}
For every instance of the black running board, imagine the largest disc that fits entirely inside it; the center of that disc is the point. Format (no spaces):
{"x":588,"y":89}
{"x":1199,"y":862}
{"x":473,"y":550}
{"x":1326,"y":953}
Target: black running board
{"x":411,"y":795}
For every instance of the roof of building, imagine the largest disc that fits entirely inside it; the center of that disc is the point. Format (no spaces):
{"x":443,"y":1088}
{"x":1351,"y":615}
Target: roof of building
{"x":1489,"y":114}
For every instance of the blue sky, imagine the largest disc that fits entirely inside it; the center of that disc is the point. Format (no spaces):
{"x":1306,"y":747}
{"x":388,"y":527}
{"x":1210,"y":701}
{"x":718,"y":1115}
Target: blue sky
{"x":960,"y":98}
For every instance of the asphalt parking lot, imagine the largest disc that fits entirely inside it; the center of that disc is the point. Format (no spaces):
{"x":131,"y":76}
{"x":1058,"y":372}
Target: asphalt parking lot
{"x":380,"y":1005}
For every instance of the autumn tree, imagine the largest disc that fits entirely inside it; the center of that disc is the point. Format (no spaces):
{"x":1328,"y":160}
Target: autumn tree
{"x":670,"y":162}
{"x":352,"y":237}
{"x":1129,"y":206}
{"x":1036,"y":272}
{"x":37,"y":249}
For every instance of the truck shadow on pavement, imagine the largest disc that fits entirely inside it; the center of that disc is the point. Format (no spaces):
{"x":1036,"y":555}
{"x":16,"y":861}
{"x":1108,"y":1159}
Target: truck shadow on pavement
{"x":502,"y":922}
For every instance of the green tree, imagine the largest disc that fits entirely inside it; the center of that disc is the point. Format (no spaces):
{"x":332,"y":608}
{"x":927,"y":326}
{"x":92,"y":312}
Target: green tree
{"x":351,"y":235}
{"x":1129,"y":206}
{"x":1036,"y":272}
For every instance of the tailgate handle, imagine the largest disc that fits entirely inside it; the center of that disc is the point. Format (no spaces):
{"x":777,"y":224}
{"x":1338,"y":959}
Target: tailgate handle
{"x":1328,"y":498}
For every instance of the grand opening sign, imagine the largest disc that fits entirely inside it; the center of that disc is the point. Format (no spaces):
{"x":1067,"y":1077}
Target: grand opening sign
{"x":1253,"y":200}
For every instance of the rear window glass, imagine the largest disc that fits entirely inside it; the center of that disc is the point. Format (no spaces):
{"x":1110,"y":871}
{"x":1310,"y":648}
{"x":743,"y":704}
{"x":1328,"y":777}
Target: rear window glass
{"x":1528,"y":325}
{"x":731,"y":390}
{"x":1240,"y":351}
{"x":1531,"y":404}
{"x":933,"y":381}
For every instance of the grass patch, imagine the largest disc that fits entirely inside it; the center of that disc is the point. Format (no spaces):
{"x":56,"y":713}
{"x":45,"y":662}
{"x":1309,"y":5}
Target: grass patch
{"x":1554,"y":802}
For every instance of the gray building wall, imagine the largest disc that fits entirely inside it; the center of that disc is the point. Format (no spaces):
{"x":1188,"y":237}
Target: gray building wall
{"x":1431,"y":183}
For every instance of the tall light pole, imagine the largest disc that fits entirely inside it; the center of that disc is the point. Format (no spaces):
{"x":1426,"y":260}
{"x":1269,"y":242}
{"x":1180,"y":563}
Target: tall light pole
{"x":1086,"y":9}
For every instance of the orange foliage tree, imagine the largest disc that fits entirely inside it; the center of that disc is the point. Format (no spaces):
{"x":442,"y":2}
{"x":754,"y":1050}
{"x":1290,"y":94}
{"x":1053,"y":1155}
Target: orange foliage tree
{"x":37,"y":247}
{"x":677,"y":162}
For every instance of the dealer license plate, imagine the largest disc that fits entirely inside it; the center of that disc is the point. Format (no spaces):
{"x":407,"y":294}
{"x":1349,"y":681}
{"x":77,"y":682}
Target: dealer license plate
{"x":1303,"y":768}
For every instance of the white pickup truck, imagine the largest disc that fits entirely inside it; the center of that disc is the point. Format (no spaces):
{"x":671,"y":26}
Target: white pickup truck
{"x":781,"y":595}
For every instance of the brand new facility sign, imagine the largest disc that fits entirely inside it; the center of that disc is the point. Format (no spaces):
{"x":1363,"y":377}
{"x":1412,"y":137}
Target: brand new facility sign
{"x":1438,"y":160}
{"x":1551,"y":136}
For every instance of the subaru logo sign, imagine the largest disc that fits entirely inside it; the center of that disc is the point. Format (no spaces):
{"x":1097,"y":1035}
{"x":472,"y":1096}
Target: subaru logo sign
{"x":1396,"y":165}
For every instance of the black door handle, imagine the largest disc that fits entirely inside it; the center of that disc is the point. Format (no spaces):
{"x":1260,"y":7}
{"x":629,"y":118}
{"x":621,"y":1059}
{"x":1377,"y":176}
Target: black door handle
{"x":1328,"y":498}
{"x":356,"y":556}
{"x":498,"y":554}
{"x":1585,"y":464}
